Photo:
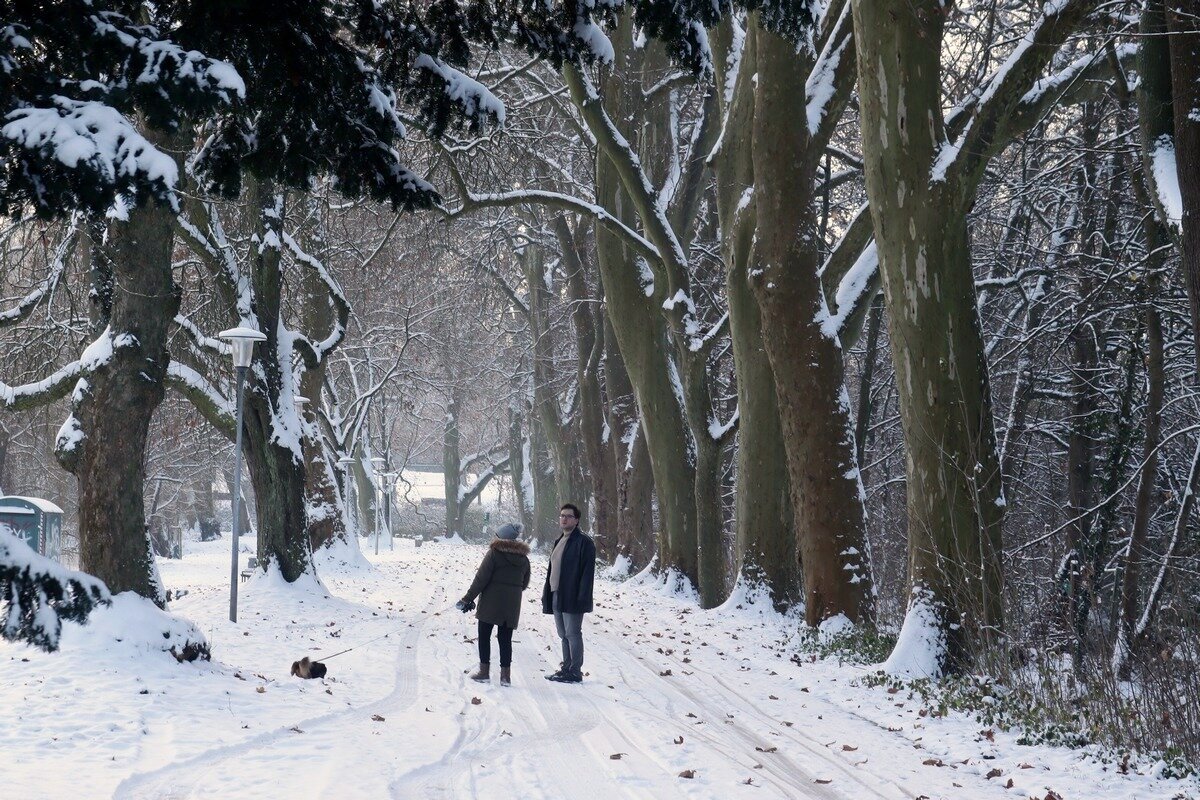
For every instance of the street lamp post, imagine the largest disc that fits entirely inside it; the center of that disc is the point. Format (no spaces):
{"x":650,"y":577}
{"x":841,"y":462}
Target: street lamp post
{"x":241,"y":341}
{"x":376,"y":463}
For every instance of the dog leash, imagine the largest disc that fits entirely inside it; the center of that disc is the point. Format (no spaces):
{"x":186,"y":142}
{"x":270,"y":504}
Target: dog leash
{"x":360,"y":644}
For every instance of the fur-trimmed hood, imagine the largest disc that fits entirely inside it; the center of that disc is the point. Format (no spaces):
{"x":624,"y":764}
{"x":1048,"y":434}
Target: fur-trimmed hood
{"x":512,"y":546}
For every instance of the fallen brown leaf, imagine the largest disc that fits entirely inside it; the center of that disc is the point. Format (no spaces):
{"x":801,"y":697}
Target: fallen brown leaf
{"x":766,"y":749}
{"x":848,"y":748}
{"x":933,"y":762}
{"x":376,"y":718}
{"x":823,"y":780}
{"x":995,"y":772}
{"x":688,"y":773}
{"x":679,"y":740}
{"x":476,"y":701}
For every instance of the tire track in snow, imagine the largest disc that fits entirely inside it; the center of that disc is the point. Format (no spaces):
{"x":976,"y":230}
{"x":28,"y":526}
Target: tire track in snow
{"x":547,"y":738}
{"x":718,"y":696}
{"x":183,"y":779}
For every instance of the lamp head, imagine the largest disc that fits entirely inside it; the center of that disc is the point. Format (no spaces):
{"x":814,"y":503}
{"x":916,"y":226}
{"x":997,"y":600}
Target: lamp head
{"x":241,"y":341}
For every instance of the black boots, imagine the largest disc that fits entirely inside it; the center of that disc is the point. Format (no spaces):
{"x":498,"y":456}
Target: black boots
{"x":506,"y":676}
{"x":484,"y":674}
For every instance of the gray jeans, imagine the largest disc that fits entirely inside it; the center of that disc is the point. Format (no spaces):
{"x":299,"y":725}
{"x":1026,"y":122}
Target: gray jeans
{"x":570,"y":630}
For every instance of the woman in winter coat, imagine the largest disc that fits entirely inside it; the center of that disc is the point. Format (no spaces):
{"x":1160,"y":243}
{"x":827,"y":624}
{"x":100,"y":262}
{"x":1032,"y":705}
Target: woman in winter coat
{"x":502,"y":577}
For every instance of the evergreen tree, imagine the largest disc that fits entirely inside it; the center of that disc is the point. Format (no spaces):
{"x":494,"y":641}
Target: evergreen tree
{"x":38,"y":594}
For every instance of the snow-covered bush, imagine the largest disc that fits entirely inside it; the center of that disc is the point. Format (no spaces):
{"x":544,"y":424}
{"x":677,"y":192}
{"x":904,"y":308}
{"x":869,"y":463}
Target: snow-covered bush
{"x":39,"y":594}
{"x":135,"y":625}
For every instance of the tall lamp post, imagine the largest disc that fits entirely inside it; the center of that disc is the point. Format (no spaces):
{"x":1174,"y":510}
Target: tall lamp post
{"x":376,"y":477}
{"x":241,"y":341}
{"x":346,"y":462}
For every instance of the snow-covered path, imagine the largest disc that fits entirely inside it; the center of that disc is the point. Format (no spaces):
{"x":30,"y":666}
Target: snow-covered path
{"x":669,"y":689}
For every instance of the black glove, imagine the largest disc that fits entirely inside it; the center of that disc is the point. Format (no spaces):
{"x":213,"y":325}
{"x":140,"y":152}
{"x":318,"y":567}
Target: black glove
{"x":465,"y":605}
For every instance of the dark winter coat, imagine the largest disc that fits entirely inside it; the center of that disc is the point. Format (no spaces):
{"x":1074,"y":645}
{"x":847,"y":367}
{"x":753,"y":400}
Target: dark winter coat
{"x":578,"y":575}
{"x":502,"y":576}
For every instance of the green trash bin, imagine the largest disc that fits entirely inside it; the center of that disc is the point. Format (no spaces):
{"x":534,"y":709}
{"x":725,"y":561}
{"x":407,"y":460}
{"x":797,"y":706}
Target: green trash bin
{"x":39,"y":521}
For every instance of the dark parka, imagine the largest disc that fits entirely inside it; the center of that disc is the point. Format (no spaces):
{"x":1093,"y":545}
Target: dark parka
{"x":578,"y":575}
{"x":502,"y":576}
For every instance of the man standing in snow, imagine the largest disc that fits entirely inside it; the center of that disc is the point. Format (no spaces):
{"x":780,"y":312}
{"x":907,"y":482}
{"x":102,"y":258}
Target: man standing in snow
{"x":568,"y":591}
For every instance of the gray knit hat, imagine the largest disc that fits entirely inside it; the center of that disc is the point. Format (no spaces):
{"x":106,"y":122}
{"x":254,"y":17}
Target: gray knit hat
{"x":509,"y":531}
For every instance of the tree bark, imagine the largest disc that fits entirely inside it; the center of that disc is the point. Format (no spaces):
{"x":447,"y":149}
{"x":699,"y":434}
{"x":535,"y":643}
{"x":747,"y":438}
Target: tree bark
{"x":631,"y":459}
{"x":634,"y":308}
{"x":814,"y":408}
{"x":325,"y":509}
{"x":764,"y":524}
{"x":103,"y":441}
{"x":451,"y":469}
{"x":589,"y":345}
{"x":559,"y":436}
{"x":955,"y":502}
{"x":272,"y":434}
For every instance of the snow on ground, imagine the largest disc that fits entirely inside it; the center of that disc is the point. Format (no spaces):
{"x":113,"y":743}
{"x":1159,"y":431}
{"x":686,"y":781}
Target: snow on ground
{"x":668,"y":688}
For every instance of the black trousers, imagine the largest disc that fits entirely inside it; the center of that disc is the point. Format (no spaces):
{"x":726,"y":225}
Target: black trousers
{"x":503,"y":636}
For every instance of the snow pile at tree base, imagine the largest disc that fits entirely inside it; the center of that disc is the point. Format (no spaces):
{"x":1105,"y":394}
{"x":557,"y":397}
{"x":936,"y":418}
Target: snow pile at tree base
{"x":341,"y":553}
{"x":134,"y":624}
{"x":919,"y":649}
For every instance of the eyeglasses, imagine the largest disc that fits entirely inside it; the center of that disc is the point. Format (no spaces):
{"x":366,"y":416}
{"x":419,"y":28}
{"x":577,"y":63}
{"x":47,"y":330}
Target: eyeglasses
{"x":566,"y":516}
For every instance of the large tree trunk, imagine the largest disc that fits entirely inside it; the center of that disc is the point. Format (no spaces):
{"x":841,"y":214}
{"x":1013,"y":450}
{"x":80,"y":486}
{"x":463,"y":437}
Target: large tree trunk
{"x":203,"y":511}
{"x":521,"y":469}
{"x":451,"y":464}
{"x":103,"y":441}
{"x":559,"y":436}
{"x":325,"y":513}
{"x":631,"y":460}
{"x":634,"y":310}
{"x":814,"y":408}
{"x":589,"y":345}
{"x":955,"y":503}
{"x":765,"y":529}
{"x":271,"y":426}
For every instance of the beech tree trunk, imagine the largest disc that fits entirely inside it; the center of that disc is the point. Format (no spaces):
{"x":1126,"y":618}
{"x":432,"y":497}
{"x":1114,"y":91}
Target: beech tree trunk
{"x":451,"y":469}
{"x":325,"y":508}
{"x":560,"y":437}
